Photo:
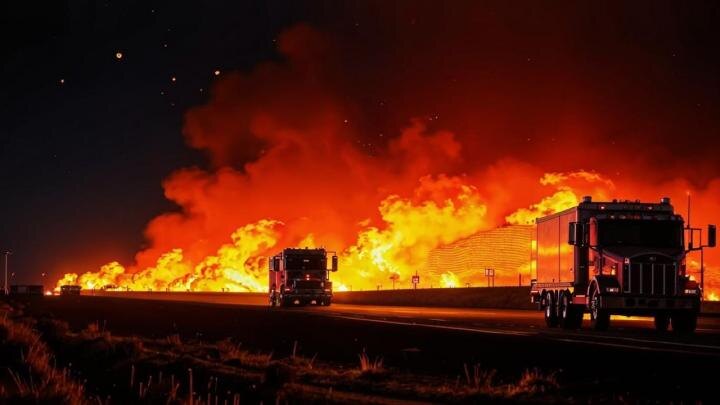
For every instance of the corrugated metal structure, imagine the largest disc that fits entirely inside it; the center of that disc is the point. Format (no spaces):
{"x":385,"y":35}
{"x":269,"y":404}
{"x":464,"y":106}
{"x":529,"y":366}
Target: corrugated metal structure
{"x":506,"y":249}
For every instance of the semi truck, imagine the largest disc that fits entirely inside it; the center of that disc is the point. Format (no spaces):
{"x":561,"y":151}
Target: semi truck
{"x":618,"y":257}
{"x":27,"y":290}
{"x":300,"y":276}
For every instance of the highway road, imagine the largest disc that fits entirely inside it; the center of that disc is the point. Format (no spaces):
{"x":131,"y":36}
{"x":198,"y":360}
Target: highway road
{"x":629,"y":359}
{"x":635,"y":333}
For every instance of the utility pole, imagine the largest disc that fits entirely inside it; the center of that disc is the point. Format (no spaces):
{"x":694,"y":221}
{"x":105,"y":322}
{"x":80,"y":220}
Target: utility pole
{"x":6,"y":287}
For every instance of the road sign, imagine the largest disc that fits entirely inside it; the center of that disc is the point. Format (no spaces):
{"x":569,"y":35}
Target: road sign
{"x":416,"y":279}
{"x":490,"y":274}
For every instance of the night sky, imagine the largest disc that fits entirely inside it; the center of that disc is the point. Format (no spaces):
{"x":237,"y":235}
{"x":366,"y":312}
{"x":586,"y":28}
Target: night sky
{"x":87,"y":137}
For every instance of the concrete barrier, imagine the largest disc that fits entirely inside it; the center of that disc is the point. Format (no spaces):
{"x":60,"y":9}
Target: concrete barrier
{"x":710,"y":307}
{"x":480,"y":297}
{"x":212,"y":297}
{"x":474,"y":297}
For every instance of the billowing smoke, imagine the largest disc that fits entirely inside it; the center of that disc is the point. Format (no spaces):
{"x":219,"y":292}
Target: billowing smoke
{"x":293,"y":164}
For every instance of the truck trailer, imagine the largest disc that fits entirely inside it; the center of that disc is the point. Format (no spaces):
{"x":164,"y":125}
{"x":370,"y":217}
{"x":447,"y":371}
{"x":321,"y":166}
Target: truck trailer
{"x":301,"y":277}
{"x":618,"y":257}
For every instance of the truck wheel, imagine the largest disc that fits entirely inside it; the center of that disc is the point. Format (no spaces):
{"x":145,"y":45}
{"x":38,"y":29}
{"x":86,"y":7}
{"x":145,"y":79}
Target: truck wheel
{"x":551,"y":319}
{"x":662,"y":321}
{"x":599,"y":318}
{"x":684,"y":322}
{"x":570,"y":316}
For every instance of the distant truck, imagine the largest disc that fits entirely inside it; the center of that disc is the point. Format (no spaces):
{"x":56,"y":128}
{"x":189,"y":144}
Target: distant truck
{"x":301,"y":277}
{"x":27,"y":290}
{"x":70,"y":290}
{"x":616,"y":257}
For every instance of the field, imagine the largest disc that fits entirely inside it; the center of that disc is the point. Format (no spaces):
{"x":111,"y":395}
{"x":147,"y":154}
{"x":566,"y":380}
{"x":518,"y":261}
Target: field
{"x":112,"y":350}
{"x":56,"y":357}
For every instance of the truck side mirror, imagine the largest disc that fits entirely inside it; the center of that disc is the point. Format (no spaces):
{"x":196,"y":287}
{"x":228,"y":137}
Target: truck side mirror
{"x":712,"y":236}
{"x":334,"y":263}
{"x":576,"y":234}
{"x":572,"y":233}
{"x":276,"y":263}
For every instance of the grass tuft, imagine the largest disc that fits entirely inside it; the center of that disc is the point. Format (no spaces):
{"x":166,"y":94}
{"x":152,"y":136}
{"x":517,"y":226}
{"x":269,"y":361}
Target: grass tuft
{"x":370,"y":366}
{"x":535,"y":382}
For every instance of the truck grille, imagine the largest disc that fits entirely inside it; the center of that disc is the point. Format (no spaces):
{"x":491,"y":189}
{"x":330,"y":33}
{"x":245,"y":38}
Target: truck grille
{"x":308,"y":285}
{"x":650,"y":279}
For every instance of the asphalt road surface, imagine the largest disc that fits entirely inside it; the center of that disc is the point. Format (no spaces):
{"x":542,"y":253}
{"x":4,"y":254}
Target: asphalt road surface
{"x":631,"y":360}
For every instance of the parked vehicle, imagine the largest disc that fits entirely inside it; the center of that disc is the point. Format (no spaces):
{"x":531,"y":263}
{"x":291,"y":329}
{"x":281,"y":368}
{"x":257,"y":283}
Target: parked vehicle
{"x":70,"y":290}
{"x":616,"y":257}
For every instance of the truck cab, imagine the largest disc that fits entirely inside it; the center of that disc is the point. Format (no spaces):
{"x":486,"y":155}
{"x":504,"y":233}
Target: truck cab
{"x":301,"y":277}
{"x":618,"y":257}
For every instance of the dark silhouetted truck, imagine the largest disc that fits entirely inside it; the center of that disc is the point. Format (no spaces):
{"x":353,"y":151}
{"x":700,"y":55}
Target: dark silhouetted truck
{"x":619,"y":257}
{"x":27,"y":290}
{"x":70,"y":290}
{"x":301,"y":277}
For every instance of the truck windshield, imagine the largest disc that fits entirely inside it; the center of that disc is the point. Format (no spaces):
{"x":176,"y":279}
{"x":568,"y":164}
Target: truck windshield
{"x":661,"y":234}
{"x":305,"y":262}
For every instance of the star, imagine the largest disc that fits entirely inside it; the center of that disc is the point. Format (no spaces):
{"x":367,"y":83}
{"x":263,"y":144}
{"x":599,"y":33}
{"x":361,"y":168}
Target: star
{"x":118,"y":55}
{"x":216,"y":73}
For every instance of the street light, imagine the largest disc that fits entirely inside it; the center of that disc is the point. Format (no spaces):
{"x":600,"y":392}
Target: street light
{"x":7,"y":253}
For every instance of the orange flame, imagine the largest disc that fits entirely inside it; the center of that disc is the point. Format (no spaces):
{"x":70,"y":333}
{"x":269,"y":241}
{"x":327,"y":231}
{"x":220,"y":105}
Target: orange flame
{"x":289,"y":168}
{"x":441,"y":211}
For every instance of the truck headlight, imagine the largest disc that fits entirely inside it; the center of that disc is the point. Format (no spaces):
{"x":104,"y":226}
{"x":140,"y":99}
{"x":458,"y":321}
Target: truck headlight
{"x":612,"y":289}
{"x":691,"y":291}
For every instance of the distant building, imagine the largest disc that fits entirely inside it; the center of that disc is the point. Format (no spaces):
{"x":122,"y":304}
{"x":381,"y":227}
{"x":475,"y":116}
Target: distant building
{"x":506,"y":249}
{"x":26,"y":290}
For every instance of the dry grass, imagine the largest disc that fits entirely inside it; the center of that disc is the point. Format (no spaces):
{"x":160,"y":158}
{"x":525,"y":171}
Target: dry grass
{"x":175,"y":370}
{"x":479,"y":379}
{"x":233,"y":354}
{"x":31,"y":369}
{"x":370,"y":366}
{"x":174,"y":340}
{"x":535,"y":382}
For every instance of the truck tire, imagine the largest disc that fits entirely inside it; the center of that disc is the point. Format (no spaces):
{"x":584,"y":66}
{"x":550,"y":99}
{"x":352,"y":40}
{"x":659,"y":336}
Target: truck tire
{"x":662,"y":321}
{"x":569,"y":315}
{"x":283,"y":301}
{"x":599,"y":318}
{"x":551,"y":319}
{"x":684,"y":322}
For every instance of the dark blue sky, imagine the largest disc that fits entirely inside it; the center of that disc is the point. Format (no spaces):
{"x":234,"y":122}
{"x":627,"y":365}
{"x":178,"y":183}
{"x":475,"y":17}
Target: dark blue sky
{"x":82,"y":161}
